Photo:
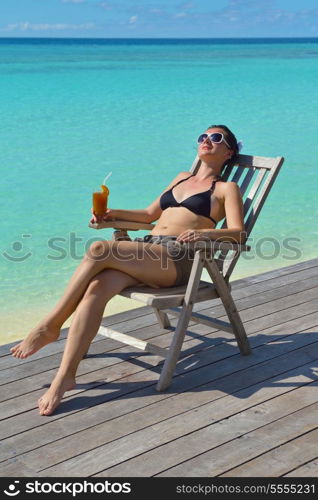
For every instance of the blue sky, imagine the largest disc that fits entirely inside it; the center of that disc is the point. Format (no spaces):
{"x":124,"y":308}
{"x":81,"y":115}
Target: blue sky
{"x":158,"y":18}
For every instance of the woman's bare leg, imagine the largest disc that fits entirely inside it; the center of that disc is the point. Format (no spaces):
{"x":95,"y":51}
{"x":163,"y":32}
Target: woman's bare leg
{"x":83,"y":329}
{"x":48,"y":330}
{"x":126,"y":256}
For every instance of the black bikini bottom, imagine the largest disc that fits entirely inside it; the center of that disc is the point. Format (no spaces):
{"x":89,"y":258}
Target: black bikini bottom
{"x":176,"y":251}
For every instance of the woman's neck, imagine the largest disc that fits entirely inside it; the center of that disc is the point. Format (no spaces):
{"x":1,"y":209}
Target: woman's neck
{"x":208,"y":171}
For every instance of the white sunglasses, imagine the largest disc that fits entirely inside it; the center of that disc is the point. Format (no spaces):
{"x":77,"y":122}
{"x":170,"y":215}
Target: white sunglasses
{"x":216,"y":137}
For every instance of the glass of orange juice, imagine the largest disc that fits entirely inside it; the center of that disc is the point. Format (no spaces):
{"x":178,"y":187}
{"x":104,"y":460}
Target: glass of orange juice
{"x":100,"y":199}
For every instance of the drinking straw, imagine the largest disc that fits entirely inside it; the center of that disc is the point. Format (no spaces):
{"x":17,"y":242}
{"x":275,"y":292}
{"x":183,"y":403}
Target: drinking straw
{"x":107,"y":176}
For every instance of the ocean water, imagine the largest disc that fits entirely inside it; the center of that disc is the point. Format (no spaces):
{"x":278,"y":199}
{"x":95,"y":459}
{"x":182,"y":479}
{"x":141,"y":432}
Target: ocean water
{"x":74,"y":110}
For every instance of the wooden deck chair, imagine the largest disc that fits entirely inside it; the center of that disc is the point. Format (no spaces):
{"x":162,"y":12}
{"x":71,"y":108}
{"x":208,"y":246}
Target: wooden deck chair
{"x":255,"y":176}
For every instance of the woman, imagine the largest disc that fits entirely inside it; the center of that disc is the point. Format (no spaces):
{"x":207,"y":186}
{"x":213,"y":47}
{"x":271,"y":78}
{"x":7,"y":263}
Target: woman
{"x":187,"y":211}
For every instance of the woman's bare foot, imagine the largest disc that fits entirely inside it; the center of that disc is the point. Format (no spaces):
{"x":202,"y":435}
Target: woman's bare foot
{"x":52,"y":398}
{"x":36,"y":339}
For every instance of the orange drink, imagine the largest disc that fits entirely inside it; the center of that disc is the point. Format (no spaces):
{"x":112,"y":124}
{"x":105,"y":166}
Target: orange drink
{"x":100,"y":200}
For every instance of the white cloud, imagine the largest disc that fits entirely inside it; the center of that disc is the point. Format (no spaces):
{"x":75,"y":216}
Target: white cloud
{"x":180,"y":14}
{"x":27,"y":26}
{"x":133,"y":19}
{"x":73,"y":1}
{"x":249,"y":12}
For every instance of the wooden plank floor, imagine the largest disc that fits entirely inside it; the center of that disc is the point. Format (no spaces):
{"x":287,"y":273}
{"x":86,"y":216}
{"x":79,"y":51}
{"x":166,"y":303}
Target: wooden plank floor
{"x":224,"y":414}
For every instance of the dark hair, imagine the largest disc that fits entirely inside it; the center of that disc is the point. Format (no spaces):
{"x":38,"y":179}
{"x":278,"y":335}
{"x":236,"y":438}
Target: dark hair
{"x":231,"y":139}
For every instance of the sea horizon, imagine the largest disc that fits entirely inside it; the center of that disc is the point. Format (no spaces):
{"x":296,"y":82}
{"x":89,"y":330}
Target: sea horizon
{"x":297,"y":39}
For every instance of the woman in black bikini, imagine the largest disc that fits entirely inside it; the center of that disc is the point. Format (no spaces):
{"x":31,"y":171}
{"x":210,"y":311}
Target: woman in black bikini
{"x":186,"y":211}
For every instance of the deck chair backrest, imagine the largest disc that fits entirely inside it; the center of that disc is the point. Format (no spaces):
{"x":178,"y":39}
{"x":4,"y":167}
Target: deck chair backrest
{"x":255,"y":176}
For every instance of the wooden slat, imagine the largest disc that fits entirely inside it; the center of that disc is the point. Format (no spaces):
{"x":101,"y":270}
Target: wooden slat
{"x":205,"y":320}
{"x":132,"y":341}
{"x":238,"y":174}
{"x":249,"y":174}
{"x":226,"y":173}
{"x":283,"y":426}
{"x":164,"y":299}
{"x":162,"y":318}
{"x":182,"y":324}
{"x":122,"y":224}
{"x":210,"y":247}
{"x":195,"y":165}
{"x":252,"y":193}
{"x":310,"y":469}
{"x":257,"y":161}
{"x":288,"y":274}
{"x":290,"y":451}
{"x":230,"y":307}
{"x":261,"y":198}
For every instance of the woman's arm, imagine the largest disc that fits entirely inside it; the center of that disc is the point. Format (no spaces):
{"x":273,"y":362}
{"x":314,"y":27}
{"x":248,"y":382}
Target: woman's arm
{"x":235,"y":231}
{"x":141,"y":215}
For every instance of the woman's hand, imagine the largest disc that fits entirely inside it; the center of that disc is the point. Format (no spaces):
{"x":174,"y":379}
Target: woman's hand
{"x":193,"y":235}
{"x":107,"y":216}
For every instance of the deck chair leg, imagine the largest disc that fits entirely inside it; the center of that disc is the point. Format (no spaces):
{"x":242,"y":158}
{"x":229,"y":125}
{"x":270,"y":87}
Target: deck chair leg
{"x":181,"y":328}
{"x":162,"y":318}
{"x":230,"y":307}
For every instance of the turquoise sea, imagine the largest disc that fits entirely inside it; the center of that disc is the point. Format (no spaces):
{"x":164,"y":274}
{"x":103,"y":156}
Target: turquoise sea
{"x":74,"y":110}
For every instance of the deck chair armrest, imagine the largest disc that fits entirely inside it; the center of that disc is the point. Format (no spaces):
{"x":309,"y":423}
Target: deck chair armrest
{"x":198,"y":245}
{"x":122,"y":224}
{"x":213,"y":246}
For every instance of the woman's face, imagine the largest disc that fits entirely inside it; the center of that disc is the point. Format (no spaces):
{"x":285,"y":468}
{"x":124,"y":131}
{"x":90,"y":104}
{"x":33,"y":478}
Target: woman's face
{"x":211,"y":151}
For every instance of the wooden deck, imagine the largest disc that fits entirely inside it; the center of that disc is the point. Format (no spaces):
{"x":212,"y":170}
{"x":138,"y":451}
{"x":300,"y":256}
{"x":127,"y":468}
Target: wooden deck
{"x":224,"y":415}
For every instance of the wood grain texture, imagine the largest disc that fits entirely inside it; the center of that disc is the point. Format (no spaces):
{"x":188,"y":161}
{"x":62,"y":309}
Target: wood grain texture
{"x":224,"y":414}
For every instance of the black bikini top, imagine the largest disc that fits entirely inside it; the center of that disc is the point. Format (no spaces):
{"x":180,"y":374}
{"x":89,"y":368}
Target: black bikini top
{"x":199,"y":203}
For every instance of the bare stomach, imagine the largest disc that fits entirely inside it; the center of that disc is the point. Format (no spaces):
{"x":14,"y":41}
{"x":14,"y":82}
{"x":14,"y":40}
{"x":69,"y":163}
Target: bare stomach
{"x":174,"y":220}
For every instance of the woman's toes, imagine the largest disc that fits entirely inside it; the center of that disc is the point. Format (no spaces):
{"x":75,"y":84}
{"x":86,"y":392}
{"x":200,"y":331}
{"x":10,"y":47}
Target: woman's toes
{"x":44,"y":405}
{"x":41,"y":405}
{"x":37,"y":338}
{"x":48,"y":410}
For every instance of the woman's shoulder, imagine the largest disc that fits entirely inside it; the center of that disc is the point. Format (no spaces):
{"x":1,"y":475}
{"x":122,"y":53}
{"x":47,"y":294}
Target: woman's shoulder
{"x":229,"y":188}
{"x":229,"y":185}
